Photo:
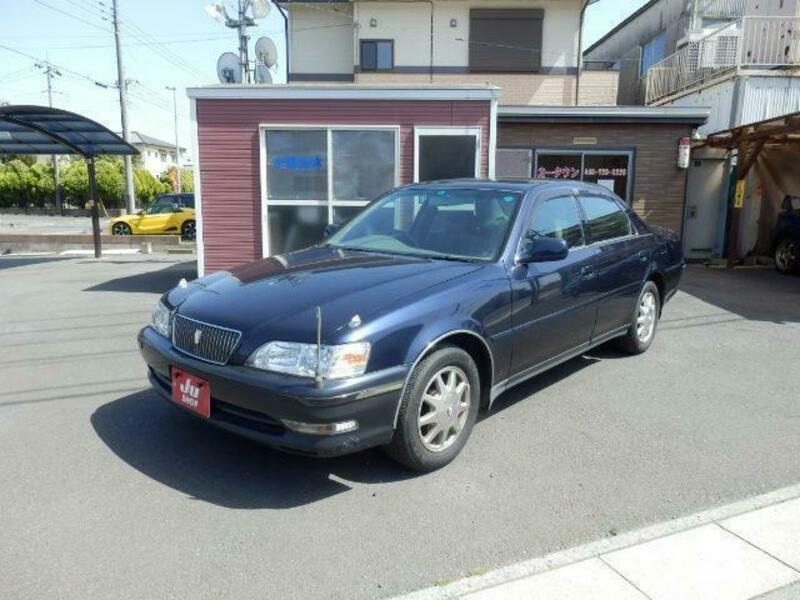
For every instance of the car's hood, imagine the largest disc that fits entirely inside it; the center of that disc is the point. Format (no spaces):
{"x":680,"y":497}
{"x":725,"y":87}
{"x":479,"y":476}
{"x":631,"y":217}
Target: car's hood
{"x":276,"y":298}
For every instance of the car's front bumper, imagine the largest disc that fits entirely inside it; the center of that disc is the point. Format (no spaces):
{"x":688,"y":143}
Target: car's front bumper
{"x":256,"y":404}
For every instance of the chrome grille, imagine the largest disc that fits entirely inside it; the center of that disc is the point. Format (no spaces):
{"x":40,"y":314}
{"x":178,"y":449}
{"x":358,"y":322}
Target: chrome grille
{"x":213,"y":343}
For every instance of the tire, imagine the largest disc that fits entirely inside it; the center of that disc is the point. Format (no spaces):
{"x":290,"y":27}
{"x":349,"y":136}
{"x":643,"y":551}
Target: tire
{"x":188,"y":230}
{"x":408,"y":446}
{"x":644,"y":321}
{"x":121,"y":229}
{"x":787,"y":255}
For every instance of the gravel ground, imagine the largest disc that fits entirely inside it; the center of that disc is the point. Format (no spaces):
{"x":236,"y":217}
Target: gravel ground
{"x":107,"y":491}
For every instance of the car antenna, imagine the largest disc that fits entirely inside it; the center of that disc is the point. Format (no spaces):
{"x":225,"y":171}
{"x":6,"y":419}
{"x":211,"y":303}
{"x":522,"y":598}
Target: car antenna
{"x":318,"y":372}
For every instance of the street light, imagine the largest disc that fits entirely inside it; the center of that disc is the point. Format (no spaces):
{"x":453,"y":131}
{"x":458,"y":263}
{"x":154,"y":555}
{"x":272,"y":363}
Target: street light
{"x":177,"y":147}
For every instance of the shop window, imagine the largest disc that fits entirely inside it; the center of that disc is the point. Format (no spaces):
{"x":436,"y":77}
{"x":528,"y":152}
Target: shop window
{"x":608,"y":170}
{"x":612,"y":170}
{"x":505,"y":40}
{"x":604,"y":217}
{"x":317,"y":176}
{"x":558,"y":166}
{"x":377,"y":55}
{"x":446,"y":156}
{"x":297,"y":164}
{"x":295,"y":227}
{"x":363,"y":164}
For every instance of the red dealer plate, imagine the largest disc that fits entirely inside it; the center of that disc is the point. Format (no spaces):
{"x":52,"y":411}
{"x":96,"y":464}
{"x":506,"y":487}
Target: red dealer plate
{"x":191,"y":392}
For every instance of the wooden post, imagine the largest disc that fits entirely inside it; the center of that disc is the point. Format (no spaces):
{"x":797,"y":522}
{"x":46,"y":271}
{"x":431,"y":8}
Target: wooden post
{"x":98,"y":251}
{"x":745,"y":162}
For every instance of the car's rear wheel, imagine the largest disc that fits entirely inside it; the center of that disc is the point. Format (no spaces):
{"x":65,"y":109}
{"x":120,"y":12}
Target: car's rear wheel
{"x":437,"y":411}
{"x":787,"y":256}
{"x":121,"y":229}
{"x":643,"y":327}
{"x":188,"y":231}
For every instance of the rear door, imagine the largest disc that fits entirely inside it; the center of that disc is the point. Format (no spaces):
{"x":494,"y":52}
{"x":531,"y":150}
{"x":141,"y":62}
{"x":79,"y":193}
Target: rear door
{"x":619,"y":260}
{"x":553,"y":302}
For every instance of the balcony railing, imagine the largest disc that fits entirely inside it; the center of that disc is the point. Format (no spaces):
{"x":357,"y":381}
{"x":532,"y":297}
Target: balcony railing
{"x":718,"y":9}
{"x":750,"y":42}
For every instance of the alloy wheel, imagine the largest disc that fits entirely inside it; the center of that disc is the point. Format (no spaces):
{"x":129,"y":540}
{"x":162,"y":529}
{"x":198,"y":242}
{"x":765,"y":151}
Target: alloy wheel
{"x":120,"y":229}
{"x":443,"y":409}
{"x":646,"y":317}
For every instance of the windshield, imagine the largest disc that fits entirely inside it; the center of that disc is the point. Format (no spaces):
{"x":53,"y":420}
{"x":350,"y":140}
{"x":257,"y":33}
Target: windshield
{"x":466,"y":224}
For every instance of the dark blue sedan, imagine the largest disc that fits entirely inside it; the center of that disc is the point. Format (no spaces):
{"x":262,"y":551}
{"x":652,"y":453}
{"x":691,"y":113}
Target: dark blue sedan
{"x":403,"y":324}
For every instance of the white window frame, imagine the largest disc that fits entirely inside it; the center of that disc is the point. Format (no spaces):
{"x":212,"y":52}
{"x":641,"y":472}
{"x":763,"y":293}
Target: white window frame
{"x":330,"y":202}
{"x":449,"y":130}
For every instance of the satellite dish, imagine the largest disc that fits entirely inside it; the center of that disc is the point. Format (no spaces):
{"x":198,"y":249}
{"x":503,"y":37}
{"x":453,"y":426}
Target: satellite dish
{"x":260,"y":8}
{"x":216,"y":11}
{"x":266,"y":52}
{"x":228,"y":68}
{"x":263,"y":75}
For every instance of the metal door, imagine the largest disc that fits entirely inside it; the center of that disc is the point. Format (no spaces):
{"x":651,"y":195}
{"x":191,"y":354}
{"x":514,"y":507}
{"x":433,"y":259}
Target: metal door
{"x":706,"y":189}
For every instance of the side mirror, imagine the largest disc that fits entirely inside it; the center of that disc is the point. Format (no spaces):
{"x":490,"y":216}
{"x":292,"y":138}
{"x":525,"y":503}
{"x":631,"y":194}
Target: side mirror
{"x":141,"y":212}
{"x":330,"y":229}
{"x":542,"y":249}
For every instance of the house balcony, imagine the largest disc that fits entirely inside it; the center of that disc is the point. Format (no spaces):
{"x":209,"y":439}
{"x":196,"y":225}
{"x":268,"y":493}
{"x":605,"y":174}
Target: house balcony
{"x":755,"y":43}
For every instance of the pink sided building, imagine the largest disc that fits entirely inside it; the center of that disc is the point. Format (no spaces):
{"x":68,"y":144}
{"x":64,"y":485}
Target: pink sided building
{"x":275,"y":164}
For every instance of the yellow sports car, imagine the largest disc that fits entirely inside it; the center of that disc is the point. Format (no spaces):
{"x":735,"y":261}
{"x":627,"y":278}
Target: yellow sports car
{"x":169,"y":213}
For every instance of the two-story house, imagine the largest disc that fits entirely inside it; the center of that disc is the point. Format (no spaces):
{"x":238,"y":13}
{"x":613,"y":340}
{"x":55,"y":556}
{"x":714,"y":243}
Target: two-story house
{"x":157,"y":155}
{"x":528,"y":48}
{"x":740,"y":58}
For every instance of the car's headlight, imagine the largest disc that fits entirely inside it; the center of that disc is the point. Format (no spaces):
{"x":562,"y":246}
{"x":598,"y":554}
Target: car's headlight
{"x":161,"y":319}
{"x":335,"y":362}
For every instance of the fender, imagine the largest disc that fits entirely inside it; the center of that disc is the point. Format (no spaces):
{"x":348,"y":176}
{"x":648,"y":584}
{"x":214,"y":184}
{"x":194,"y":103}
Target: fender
{"x":420,"y":348}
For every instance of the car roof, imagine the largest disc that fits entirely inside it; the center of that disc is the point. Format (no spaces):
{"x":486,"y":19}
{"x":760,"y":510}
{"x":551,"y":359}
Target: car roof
{"x":522,"y":185}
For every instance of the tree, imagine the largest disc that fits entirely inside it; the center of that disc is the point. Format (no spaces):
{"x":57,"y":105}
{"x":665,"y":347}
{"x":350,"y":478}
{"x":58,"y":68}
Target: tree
{"x":75,"y":183}
{"x":147,"y":186}
{"x":187,"y":180}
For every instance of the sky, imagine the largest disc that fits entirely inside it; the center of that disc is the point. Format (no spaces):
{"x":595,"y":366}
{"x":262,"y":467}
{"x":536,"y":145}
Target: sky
{"x":165,"y":43}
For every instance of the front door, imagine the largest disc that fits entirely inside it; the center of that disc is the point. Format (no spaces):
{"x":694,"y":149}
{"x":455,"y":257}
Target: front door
{"x":706,"y":202}
{"x":554,"y":309}
{"x":446,"y":153}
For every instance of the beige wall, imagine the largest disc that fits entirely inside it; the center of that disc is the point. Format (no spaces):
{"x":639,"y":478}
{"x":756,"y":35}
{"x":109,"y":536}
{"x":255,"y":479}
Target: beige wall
{"x":409,"y":24}
{"x":321,"y":38}
{"x":597,"y":87}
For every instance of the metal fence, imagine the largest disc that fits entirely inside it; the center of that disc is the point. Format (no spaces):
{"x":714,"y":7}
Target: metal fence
{"x":766,"y":42}
{"x":717,"y":9}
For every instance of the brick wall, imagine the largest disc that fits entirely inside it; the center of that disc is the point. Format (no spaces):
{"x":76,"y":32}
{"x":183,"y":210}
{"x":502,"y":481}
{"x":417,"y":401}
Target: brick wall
{"x":658,"y":186}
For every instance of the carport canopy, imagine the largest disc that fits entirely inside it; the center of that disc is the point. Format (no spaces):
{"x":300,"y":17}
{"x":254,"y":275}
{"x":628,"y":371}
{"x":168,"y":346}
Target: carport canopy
{"x":45,"y":130}
{"x":28,"y":129}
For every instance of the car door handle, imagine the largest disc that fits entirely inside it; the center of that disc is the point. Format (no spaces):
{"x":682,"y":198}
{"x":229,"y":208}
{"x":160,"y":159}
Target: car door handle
{"x":642,"y":256}
{"x":588,"y":273}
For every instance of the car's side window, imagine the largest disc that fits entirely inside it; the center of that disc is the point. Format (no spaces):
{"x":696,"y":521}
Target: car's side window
{"x":558,"y":217}
{"x":604,"y":217}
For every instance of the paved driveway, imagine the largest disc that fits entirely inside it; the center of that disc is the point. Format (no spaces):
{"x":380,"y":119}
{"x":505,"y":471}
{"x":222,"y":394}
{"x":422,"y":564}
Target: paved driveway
{"x":107,"y":491}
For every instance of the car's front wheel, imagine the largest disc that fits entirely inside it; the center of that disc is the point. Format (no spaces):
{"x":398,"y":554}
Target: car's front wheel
{"x":437,"y":411}
{"x":643,"y":327}
{"x":787,"y":255}
{"x":121,"y":229}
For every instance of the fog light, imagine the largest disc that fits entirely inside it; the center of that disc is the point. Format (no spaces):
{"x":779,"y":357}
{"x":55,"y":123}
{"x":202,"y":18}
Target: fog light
{"x":321,"y":428}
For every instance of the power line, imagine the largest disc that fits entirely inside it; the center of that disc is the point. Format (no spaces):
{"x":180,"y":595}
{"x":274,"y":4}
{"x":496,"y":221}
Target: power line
{"x":71,"y":16}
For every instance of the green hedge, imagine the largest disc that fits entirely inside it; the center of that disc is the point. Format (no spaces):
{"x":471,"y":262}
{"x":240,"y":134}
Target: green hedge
{"x":24,"y":183}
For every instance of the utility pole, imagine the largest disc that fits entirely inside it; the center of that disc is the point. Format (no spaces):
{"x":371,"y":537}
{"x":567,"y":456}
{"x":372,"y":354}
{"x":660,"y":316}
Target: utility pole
{"x":242,"y":23}
{"x":177,"y":146}
{"x":50,"y":71}
{"x":122,"y":84}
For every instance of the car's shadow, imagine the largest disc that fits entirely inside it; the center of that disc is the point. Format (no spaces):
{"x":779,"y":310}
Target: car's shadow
{"x":214,"y":466}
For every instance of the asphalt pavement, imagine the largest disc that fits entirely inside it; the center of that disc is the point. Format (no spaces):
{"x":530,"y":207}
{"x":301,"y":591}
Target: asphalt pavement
{"x":49,"y":225}
{"x":108,"y":491}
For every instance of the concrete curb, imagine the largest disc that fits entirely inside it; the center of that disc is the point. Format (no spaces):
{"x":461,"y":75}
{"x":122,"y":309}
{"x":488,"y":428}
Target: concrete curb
{"x":593,"y":549}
